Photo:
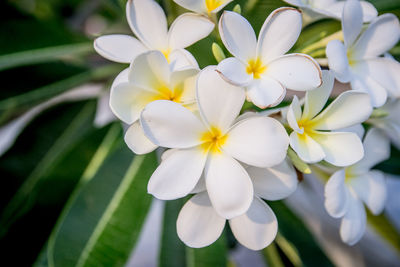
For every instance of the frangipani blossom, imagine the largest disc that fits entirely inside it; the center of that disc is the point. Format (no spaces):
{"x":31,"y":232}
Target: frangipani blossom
{"x":261,"y":66}
{"x":316,"y":9}
{"x":148,"y":22}
{"x":312,"y":137}
{"x":148,"y":79}
{"x":390,"y":124}
{"x":348,"y":188}
{"x":199,"y":225}
{"x":213,"y":144}
{"x":358,"y":60}
{"x":203,"y":6}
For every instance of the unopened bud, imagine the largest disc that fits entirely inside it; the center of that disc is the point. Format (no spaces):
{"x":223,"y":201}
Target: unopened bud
{"x":218,"y":52}
{"x":237,"y":9}
{"x":379,"y":113}
{"x":297,"y":162}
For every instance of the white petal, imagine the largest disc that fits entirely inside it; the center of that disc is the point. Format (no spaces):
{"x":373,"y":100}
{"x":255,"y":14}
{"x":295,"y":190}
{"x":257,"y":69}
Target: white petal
{"x":353,"y":223}
{"x":257,"y":141}
{"x":349,"y":108}
{"x":352,"y":20}
{"x":363,"y":82}
{"x":178,"y":174}
{"x":341,"y":149}
{"x":127,"y":101}
{"x":147,"y":20}
{"x":182,"y":59}
{"x":223,"y":3}
{"x":200,"y":186}
{"x":266,"y":92}
{"x":274,"y":183}
{"x":228,"y":185}
{"x":294,"y":115}
{"x":382,"y":34}
{"x":306,"y":148}
{"x":257,"y":228}
{"x":219,"y":102}
{"x":150,"y":71}
{"x":316,"y":99}
{"x":104,"y":114}
{"x":137,"y":141}
{"x":368,"y":10}
{"x":186,"y":80}
{"x":118,"y":47}
{"x":234,"y":72}
{"x":295,"y":71}
{"x":338,"y":61}
{"x":182,"y":34}
{"x":383,"y":71}
{"x":237,"y":35}
{"x":279,"y":33}
{"x":336,"y":195}
{"x":376,"y":150}
{"x":358,"y":129}
{"x":198,"y":225}
{"x":193,"y":5}
{"x":371,"y":188}
{"x":169,"y":124}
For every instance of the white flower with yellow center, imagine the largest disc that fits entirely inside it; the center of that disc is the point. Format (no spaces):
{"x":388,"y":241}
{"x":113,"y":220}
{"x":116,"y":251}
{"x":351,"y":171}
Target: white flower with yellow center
{"x":348,"y":188}
{"x":358,"y":60}
{"x":316,"y":9}
{"x":213,"y":144}
{"x":148,"y":22}
{"x":261,"y":66}
{"x":203,"y":6}
{"x":312,"y":137}
{"x":199,"y":225}
{"x":149,"y":79}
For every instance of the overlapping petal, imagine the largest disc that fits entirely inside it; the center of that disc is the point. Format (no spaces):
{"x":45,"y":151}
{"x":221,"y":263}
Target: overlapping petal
{"x":119,"y":48}
{"x":198,"y":225}
{"x":363,"y":82}
{"x":295,"y":71}
{"x":294,"y":115}
{"x":306,"y":147}
{"x":219,"y":102}
{"x":257,"y":228}
{"x":237,"y":35}
{"x":266,"y":92}
{"x":352,"y":21}
{"x":178,"y":174}
{"x":137,"y":140}
{"x":353,"y":223}
{"x":193,"y":5}
{"x":228,"y":185}
{"x":279,"y":33}
{"x":336,"y":195}
{"x":234,"y":72}
{"x":338,"y":61}
{"x":169,"y":124}
{"x":257,"y":141}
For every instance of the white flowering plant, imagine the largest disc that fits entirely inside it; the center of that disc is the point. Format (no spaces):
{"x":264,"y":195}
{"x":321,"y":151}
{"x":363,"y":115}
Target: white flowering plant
{"x":287,"y":135}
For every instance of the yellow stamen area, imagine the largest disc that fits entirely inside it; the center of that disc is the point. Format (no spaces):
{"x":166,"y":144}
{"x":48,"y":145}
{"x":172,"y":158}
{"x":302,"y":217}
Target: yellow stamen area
{"x":306,"y":125}
{"x":165,"y":93}
{"x":350,"y":58}
{"x":255,"y":67}
{"x":166,"y":53}
{"x":212,"y":4}
{"x":213,"y":140}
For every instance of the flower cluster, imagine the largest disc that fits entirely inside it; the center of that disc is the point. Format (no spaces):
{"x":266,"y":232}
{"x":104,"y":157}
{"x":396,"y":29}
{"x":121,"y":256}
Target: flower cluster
{"x":232,"y":161}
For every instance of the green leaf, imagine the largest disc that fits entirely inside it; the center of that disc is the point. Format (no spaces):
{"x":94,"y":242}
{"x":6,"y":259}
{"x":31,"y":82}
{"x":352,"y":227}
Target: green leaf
{"x":102,"y":225}
{"x":385,"y":229}
{"x":385,"y":5}
{"x":294,"y":230}
{"x":272,"y":256}
{"x":46,"y":54}
{"x":214,"y":255}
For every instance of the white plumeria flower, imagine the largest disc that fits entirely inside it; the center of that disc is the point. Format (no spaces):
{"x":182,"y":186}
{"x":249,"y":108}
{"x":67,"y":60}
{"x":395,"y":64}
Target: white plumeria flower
{"x":317,"y":9}
{"x":199,"y":225}
{"x":149,"y":79}
{"x":212,"y":143}
{"x":348,"y":188}
{"x":261,"y":66}
{"x":148,"y":22}
{"x":390,"y":124}
{"x":357,"y":60}
{"x":312,"y":137}
{"x":203,"y":6}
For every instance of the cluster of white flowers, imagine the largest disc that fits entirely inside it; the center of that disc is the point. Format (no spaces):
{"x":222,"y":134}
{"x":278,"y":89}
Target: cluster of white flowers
{"x":231,"y":161}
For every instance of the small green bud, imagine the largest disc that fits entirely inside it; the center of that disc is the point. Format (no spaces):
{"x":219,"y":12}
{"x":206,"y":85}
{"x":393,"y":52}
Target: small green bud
{"x":379,"y":113}
{"x":237,"y":9}
{"x":297,"y":162}
{"x":218,"y":52}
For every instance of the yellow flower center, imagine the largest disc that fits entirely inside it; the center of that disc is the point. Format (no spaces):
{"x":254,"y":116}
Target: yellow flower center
{"x":165,"y":93}
{"x":306,"y":125}
{"x":213,"y":140}
{"x":255,"y":67}
{"x":212,"y":4}
{"x":166,"y":53}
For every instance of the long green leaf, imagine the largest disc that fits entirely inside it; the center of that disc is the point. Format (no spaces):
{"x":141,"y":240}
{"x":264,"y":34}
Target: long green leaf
{"x":385,"y":229}
{"x":41,"y":55}
{"x":104,"y":222}
{"x":214,"y":255}
{"x":294,"y":230}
